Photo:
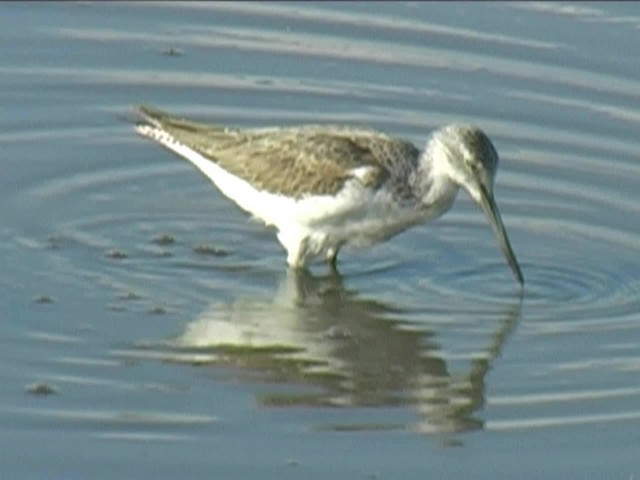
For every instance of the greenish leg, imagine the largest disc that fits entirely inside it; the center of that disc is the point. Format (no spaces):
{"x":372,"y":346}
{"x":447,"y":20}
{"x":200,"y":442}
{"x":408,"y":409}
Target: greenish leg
{"x":332,"y":258}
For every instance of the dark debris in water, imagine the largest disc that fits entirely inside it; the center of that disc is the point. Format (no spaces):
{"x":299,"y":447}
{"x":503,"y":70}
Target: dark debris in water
{"x":364,"y":427}
{"x":42,"y":299}
{"x":116,"y":254}
{"x":129,"y":295}
{"x":291,"y":400}
{"x":164,"y":240}
{"x":208,"y":249}
{"x":157,"y":310}
{"x":54,"y":243}
{"x":41,"y":389}
{"x":173,"y":52}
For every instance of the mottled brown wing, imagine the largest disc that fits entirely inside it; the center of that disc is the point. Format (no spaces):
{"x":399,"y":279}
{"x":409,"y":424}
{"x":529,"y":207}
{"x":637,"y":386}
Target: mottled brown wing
{"x":397,"y":157}
{"x":289,"y":161}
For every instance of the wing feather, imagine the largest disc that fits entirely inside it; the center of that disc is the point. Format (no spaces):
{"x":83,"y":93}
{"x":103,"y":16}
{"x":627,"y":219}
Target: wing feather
{"x":294,"y":161}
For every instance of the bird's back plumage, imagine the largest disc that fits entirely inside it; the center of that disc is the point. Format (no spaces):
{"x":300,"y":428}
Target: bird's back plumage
{"x":296,"y":161}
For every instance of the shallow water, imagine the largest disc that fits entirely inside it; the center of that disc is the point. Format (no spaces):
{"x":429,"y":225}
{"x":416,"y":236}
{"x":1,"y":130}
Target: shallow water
{"x":150,"y":330}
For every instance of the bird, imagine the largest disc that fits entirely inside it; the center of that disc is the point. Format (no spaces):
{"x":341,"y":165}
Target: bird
{"x":324,"y":187}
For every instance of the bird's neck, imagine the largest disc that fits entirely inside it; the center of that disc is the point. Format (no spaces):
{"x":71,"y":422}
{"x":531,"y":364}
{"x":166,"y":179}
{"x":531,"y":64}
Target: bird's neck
{"x":433,"y":185}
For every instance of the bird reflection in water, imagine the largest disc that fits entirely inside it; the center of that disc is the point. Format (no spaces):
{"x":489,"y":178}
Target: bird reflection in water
{"x":350,"y":352}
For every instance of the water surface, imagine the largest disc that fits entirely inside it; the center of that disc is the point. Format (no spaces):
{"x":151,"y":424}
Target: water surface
{"x":150,"y":327}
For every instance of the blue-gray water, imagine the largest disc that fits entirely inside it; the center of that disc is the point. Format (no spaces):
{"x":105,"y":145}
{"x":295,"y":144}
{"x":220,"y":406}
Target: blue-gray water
{"x":163,"y":324}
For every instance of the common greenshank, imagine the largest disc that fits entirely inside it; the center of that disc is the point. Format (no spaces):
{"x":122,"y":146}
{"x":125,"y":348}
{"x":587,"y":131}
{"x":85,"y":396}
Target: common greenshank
{"x":324,"y":187}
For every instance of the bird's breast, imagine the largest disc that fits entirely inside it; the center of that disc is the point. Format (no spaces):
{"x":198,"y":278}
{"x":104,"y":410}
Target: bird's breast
{"x":363,"y":217}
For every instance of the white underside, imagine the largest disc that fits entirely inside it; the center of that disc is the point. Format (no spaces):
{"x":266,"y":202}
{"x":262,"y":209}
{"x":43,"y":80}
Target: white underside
{"x":314,"y":225}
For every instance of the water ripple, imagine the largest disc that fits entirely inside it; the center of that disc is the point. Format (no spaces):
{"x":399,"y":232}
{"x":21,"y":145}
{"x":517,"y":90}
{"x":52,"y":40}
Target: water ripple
{"x":417,"y":322}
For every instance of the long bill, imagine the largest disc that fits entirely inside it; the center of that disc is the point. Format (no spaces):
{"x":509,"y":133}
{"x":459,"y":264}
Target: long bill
{"x":488,"y":205}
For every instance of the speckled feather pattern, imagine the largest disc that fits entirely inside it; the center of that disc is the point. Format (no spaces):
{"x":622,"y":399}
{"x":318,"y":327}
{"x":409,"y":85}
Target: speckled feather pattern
{"x":324,"y":187}
{"x":298,"y":161}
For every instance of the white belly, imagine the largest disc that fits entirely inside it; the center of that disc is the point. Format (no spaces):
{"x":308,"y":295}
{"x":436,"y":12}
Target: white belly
{"x":308,"y":227}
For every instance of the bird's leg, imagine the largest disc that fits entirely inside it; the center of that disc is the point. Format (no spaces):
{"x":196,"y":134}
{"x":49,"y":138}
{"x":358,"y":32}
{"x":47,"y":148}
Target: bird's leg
{"x":332,"y":257}
{"x":296,"y":246}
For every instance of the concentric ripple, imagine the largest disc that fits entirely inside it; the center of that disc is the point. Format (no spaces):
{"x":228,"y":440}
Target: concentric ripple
{"x":132,"y":259}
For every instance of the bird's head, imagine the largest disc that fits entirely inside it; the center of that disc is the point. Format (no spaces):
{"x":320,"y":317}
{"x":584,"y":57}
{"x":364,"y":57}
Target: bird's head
{"x":466,"y":156}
